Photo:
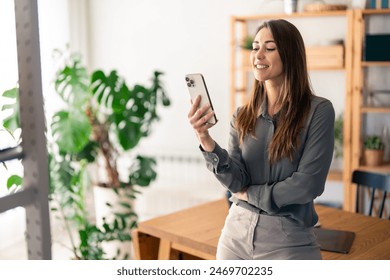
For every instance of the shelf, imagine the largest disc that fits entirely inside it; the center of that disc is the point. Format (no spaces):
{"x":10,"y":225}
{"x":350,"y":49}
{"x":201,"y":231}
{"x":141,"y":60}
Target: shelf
{"x":375,"y":11}
{"x":319,"y":67}
{"x":381,"y":110}
{"x":293,"y":15}
{"x":309,"y":14}
{"x":375,"y":63}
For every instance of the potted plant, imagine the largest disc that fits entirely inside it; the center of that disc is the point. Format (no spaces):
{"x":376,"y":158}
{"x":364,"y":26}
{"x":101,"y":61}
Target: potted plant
{"x":102,"y":119}
{"x":247,"y":43}
{"x":373,"y":150}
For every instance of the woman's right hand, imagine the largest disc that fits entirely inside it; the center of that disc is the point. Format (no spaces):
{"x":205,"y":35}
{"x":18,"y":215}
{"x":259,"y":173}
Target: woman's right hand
{"x":200,"y":125}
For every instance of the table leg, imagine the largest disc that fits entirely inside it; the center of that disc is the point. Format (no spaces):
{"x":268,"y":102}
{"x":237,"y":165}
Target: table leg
{"x":164,"y":250}
{"x":145,"y":245}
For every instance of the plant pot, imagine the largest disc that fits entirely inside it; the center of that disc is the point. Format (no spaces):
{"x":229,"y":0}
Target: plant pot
{"x":102,"y":197}
{"x":373,"y":157}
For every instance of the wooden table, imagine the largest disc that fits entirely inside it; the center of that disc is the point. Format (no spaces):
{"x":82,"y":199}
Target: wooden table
{"x":193,"y":233}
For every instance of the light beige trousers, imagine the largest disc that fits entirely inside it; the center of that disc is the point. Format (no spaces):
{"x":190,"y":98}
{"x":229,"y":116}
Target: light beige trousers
{"x":252,"y":236}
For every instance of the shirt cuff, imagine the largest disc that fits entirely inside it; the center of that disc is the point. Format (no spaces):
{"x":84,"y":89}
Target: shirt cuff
{"x":260,"y":196}
{"x":217,"y":160}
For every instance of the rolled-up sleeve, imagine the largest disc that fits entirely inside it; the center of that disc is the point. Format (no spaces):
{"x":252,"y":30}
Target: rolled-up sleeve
{"x":308,"y":181}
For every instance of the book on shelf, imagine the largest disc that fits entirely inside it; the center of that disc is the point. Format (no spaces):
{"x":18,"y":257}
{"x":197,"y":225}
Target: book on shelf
{"x":378,"y":4}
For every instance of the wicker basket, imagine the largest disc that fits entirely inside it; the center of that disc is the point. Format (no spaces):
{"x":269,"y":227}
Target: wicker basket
{"x":322,"y":7}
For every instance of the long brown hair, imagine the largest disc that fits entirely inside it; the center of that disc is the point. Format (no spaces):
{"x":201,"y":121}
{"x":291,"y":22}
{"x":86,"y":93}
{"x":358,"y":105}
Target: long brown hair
{"x":294,"y":97}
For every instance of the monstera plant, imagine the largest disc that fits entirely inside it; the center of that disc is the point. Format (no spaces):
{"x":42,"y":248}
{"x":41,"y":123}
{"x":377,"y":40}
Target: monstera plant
{"x":101,"y":121}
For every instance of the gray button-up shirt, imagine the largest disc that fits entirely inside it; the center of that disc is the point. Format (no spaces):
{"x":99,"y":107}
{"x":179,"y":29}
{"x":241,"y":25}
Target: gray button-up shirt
{"x":285,"y":188}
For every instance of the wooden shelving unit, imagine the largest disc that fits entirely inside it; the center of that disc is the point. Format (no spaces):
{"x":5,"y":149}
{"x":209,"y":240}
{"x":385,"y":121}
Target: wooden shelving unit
{"x":359,"y":108}
{"x":354,"y":67}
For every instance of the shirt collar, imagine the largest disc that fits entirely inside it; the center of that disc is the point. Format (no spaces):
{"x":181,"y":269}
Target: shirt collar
{"x":263,"y":108}
{"x":264,"y":112}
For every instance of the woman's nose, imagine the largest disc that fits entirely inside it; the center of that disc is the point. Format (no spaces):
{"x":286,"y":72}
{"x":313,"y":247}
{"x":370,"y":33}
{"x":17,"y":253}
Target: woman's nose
{"x":260,"y":54}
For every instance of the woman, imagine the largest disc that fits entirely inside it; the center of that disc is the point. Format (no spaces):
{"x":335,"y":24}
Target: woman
{"x":279,"y":153}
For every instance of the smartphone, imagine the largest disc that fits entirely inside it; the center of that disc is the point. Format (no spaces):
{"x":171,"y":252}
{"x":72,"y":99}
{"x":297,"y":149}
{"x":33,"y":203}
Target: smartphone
{"x":197,"y":86}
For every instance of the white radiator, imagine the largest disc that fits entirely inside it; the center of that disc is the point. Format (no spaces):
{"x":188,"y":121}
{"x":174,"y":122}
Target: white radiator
{"x":182,"y":181}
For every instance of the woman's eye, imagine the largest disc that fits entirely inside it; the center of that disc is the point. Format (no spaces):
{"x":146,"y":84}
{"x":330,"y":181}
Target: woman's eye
{"x":267,"y":49}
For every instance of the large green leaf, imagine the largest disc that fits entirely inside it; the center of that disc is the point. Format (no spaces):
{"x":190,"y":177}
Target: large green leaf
{"x":121,"y":99}
{"x":129,"y":134}
{"x":71,"y":130}
{"x":72,"y":83}
{"x":89,"y":152}
{"x":107,"y":88}
{"x":142,"y":172}
{"x":144,"y":102}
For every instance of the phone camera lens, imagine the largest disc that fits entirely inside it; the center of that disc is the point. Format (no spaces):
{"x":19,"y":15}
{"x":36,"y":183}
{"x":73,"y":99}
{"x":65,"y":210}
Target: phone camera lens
{"x":187,"y":79}
{"x":189,"y":84}
{"x":192,"y":82}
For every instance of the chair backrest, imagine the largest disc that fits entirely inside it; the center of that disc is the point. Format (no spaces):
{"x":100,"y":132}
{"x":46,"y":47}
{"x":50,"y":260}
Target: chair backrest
{"x":373,"y":181}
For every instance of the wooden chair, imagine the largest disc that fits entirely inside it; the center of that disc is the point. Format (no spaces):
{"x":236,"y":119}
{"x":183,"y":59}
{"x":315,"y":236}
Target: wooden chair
{"x":372,"y":181}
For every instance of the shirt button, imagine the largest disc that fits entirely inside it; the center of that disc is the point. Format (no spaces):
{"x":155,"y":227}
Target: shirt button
{"x":215,"y":159}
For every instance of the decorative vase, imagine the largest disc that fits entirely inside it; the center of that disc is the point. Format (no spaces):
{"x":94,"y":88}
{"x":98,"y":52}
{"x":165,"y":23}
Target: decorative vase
{"x":290,"y":6}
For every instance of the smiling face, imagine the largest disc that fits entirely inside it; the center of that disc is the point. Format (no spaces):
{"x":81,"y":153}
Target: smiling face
{"x":265,"y":59}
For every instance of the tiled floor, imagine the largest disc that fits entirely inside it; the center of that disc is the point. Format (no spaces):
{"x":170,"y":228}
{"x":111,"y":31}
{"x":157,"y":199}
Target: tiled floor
{"x":13,"y":245}
{"x":18,"y":251}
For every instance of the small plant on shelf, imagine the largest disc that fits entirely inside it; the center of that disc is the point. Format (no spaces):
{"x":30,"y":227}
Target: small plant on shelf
{"x":373,"y":150}
{"x":247,"y":43}
{"x":373,"y":142}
